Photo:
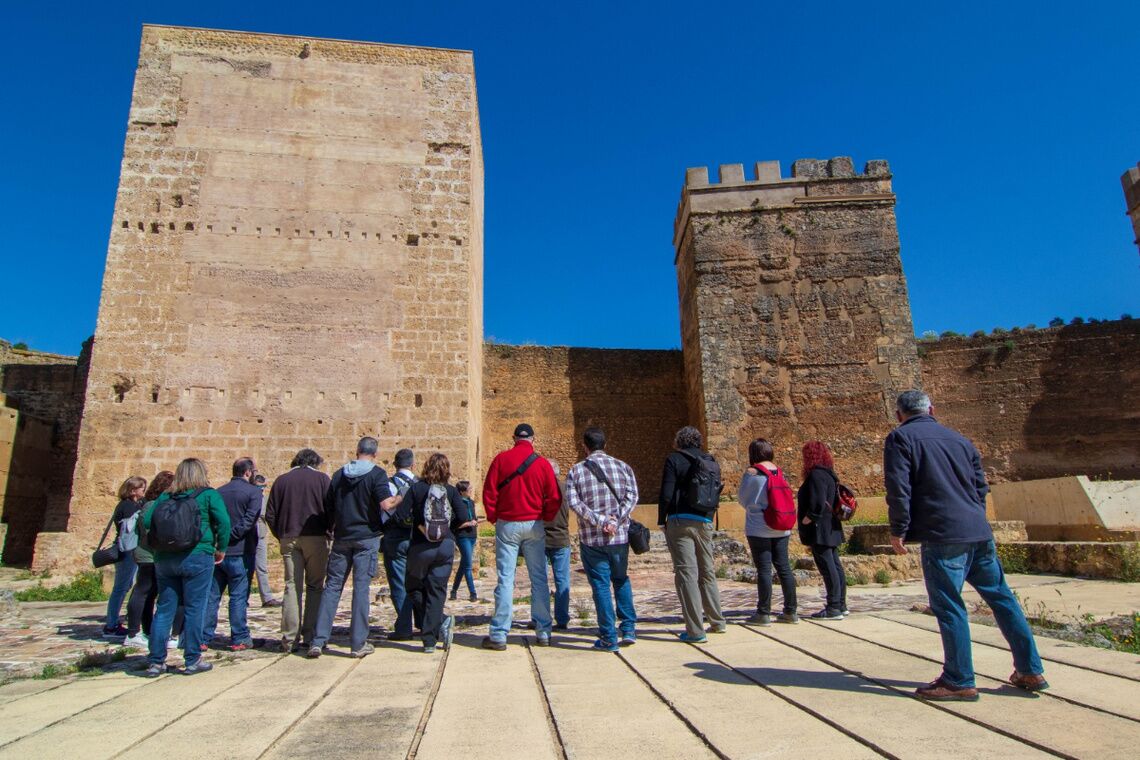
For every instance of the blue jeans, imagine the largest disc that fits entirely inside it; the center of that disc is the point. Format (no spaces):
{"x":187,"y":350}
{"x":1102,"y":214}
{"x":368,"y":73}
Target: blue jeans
{"x":361,"y":558}
{"x":606,"y":566}
{"x":395,"y":548}
{"x":559,"y":560}
{"x":466,"y":546}
{"x":182,"y":580}
{"x":231,"y":574}
{"x":945,"y":567}
{"x":124,"y":578}
{"x":529,"y":538}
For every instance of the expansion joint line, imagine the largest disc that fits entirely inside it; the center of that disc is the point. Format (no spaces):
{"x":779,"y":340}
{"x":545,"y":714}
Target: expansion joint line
{"x":938,"y":662}
{"x":310,"y":708}
{"x":673,"y":708}
{"x":1089,"y":668}
{"x":429,"y":705}
{"x":556,"y":733}
{"x":813,"y":713}
{"x":177,"y":718}
{"x":905,"y":693}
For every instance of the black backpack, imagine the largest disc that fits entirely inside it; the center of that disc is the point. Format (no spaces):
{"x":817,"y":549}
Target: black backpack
{"x":176,"y":524}
{"x":701,"y":492}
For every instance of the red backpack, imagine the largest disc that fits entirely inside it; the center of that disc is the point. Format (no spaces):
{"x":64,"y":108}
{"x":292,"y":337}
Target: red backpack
{"x":780,"y":514}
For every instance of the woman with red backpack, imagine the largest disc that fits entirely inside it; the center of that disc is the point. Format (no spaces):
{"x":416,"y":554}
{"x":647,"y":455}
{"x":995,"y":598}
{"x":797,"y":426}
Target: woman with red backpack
{"x":820,"y":527}
{"x":769,"y":516}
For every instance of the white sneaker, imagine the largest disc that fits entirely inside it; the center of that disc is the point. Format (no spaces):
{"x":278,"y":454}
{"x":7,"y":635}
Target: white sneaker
{"x":172,"y":643}
{"x":138,"y":641}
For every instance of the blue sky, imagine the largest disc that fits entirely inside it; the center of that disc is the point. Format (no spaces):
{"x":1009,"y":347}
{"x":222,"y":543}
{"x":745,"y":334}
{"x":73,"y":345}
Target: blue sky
{"x":1007,"y":126}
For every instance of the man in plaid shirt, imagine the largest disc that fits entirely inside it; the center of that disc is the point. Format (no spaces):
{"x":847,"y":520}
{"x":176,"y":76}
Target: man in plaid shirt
{"x":602,"y":491}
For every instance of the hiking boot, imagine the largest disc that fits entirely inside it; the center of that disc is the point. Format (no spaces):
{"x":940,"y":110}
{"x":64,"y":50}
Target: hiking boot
{"x":365,"y":650}
{"x":313,"y":653}
{"x":605,"y":646}
{"x":788,"y":617}
{"x":199,"y":667}
{"x":826,"y":614}
{"x":542,"y":641}
{"x":940,"y":691}
{"x":1029,"y":681}
{"x":490,"y":643}
{"x":627,"y":640}
{"x":154,"y":670}
{"x":717,"y":629}
{"x":139,"y":641}
{"x":760,"y":619}
{"x":447,"y":631}
{"x":685,"y":637}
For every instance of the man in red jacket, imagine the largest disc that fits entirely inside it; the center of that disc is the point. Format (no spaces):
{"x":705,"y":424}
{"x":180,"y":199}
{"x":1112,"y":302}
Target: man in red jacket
{"x":519,"y":495}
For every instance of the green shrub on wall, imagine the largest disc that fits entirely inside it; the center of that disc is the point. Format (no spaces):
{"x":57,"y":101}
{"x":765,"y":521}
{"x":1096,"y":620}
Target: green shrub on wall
{"x":1014,"y":559}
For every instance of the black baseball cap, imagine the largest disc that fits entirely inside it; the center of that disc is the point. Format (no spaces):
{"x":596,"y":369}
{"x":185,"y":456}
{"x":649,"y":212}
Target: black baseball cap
{"x":524,"y":431}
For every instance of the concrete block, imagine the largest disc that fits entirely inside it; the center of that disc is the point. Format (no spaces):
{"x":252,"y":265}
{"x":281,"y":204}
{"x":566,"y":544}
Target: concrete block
{"x":731,"y":174}
{"x":697,"y":176}
{"x":768,"y":171}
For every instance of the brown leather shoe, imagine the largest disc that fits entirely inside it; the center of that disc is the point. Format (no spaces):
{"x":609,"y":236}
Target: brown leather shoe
{"x":940,"y":691}
{"x":1029,"y":681}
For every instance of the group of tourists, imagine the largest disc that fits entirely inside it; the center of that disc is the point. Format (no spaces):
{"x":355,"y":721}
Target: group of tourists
{"x":198,"y":543}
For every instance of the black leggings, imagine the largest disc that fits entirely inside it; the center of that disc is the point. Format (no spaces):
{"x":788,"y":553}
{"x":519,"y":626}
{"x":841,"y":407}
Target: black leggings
{"x":834,"y":581}
{"x":140,"y":607}
{"x":765,"y":553}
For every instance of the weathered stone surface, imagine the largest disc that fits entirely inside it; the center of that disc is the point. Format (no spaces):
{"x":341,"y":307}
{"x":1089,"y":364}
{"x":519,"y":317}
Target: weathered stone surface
{"x":295,"y":260}
{"x":794,"y":315}
{"x":1131,"y":183}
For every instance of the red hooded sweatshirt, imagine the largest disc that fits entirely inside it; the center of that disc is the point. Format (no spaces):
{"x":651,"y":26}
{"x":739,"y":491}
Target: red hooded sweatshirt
{"x":534,"y":495}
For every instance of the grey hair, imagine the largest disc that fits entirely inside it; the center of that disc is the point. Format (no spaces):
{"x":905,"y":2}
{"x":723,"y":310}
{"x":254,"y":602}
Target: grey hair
{"x":913,"y":402}
{"x":688,"y":437}
{"x":367,"y":446}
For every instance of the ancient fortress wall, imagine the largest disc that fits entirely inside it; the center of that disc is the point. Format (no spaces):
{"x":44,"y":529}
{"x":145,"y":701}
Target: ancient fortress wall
{"x":794,"y":313}
{"x":637,"y":397}
{"x":1044,"y":403}
{"x":1131,"y":183}
{"x":295,"y":260}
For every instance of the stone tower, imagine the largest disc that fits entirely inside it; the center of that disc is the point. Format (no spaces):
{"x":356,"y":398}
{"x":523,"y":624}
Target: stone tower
{"x":295,"y":260}
{"x":795,"y":320}
{"x":1131,"y":183}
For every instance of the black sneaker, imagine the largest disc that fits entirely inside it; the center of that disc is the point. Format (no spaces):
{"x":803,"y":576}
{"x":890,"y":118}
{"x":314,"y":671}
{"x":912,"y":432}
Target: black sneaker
{"x":788,"y":617}
{"x":497,"y":646}
{"x":454,"y":595}
{"x":826,"y":614}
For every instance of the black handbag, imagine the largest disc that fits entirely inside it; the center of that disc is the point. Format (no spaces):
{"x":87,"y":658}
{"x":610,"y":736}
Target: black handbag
{"x":110,"y":555}
{"x":638,"y":537}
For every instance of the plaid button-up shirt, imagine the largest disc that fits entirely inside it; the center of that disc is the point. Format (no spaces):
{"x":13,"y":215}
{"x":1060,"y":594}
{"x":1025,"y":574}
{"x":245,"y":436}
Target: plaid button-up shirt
{"x":596,"y":506}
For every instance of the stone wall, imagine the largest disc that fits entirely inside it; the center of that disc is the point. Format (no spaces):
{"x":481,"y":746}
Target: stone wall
{"x":794,"y":313}
{"x":295,"y":260}
{"x":1044,"y":403}
{"x":637,"y":397}
{"x":1131,"y":183}
{"x":41,"y":405}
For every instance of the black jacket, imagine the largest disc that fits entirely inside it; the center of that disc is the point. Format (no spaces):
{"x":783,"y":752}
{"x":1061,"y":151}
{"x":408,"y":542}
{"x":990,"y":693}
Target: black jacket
{"x":352,"y":503}
{"x":816,"y":501}
{"x":412,"y":508}
{"x":936,"y":489}
{"x":673,"y":478}
{"x":243,"y":503}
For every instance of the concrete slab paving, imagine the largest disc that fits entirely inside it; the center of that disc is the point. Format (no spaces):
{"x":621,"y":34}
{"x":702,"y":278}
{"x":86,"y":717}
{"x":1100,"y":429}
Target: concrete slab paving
{"x":893,"y":722}
{"x":101,"y":732}
{"x":20,"y":689}
{"x":373,"y":712}
{"x":1123,"y":664}
{"x":33,"y":713}
{"x":243,"y":721}
{"x":747,"y":720}
{"x":477,"y":684}
{"x":1068,"y":728}
{"x":602,"y":708}
{"x":1070,"y":598}
{"x":1110,"y":693}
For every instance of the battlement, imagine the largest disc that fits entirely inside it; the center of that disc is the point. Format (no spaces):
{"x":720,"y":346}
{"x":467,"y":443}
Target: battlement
{"x":768,"y":172}
{"x":1130,"y":181}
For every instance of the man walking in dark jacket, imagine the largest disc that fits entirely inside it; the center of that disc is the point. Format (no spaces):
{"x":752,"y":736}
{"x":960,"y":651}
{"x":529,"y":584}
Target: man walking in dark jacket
{"x":296,"y":518}
{"x":356,"y":497}
{"x":936,"y":494}
{"x":243,"y":503}
{"x":394,"y":543}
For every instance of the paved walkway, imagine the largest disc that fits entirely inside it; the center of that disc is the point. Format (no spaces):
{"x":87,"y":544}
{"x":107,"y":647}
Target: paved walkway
{"x":841,"y":689}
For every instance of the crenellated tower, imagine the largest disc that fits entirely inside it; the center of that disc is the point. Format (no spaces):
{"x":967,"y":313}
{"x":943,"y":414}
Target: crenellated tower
{"x":795,"y":319}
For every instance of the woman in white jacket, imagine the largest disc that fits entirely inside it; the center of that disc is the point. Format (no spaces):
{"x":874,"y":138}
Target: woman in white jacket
{"x":768,"y":545}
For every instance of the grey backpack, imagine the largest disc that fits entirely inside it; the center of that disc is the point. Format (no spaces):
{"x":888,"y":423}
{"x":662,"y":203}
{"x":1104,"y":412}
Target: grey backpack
{"x":437,"y":513}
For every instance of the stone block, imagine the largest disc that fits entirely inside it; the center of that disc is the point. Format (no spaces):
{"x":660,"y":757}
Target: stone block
{"x":768,"y":171}
{"x":877,"y":168}
{"x":731,"y":174}
{"x":841,"y":166}
{"x":809,"y":168}
{"x":697,"y":176}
